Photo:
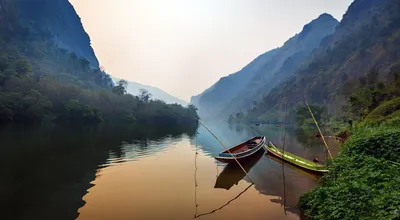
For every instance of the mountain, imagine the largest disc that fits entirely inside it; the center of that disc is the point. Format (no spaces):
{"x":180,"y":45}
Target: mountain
{"x":366,"y":40}
{"x":133,"y":88}
{"x":60,"y":19}
{"x":49,"y":37}
{"x":243,"y":89}
{"x":215,"y":97}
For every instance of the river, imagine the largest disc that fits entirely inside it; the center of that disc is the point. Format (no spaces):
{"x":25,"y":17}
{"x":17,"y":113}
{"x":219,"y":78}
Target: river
{"x":147,"y":172}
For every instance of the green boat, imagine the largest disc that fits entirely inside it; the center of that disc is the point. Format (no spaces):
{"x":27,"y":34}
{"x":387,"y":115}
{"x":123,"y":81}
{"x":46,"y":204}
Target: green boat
{"x":296,"y":160}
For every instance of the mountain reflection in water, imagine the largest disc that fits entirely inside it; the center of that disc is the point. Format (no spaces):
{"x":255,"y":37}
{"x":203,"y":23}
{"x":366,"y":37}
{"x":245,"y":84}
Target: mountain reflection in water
{"x":124,"y":172}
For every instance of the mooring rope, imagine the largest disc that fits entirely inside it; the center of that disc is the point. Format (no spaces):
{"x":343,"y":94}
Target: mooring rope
{"x":316,"y":123}
{"x":226,"y":149}
{"x":195,"y":192}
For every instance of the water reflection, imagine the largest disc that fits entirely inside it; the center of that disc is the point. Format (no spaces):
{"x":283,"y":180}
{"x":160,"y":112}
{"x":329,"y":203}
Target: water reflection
{"x":113,"y":172}
{"x":272,"y":177}
{"x":232,"y":173}
{"x":46,"y":170}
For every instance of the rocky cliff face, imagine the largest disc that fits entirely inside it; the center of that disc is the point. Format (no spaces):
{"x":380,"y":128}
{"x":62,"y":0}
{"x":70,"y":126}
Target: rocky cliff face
{"x":243,"y":89}
{"x":367,"y":39}
{"x":59,"y":18}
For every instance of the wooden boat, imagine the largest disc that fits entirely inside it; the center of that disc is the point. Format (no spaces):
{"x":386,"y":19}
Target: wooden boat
{"x":296,"y":160}
{"x":242,"y":150}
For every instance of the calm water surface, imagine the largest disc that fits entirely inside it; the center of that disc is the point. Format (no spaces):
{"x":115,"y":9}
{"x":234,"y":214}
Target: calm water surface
{"x":109,"y":172}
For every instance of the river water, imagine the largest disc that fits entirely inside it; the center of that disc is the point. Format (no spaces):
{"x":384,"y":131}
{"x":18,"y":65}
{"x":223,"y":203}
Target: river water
{"x":147,"y":172}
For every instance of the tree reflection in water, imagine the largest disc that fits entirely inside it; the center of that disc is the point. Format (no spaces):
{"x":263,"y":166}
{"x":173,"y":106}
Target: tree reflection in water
{"x":47,"y":169}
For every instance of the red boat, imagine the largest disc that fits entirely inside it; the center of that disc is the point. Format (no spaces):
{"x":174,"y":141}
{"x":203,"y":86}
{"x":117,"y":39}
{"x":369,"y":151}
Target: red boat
{"x":243,"y":150}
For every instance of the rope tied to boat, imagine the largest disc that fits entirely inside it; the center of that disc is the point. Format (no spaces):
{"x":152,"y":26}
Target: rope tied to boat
{"x":225,"y":148}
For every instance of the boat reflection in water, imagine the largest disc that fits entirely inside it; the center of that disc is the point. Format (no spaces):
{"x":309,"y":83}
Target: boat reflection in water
{"x":232,"y":173}
{"x":271,"y":176}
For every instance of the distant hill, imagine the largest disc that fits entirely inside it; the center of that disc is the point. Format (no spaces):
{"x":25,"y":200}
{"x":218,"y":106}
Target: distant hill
{"x":243,"y":89}
{"x":133,"y":88}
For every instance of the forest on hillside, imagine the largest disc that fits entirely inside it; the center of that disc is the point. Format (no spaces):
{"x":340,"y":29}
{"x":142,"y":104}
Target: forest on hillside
{"x":363,"y":181}
{"x":366,"y":40}
{"x":41,"y":81}
{"x":371,"y":48}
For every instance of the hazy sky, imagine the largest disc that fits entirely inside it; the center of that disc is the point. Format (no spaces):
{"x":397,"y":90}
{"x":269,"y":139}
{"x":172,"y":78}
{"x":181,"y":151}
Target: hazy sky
{"x":184,"y":46}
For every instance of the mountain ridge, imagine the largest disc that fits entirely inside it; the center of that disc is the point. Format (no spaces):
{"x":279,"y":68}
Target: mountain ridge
{"x":366,"y":40}
{"x":240,"y":90}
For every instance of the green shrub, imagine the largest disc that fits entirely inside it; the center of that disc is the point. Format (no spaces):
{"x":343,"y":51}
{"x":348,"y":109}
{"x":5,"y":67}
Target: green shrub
{"x":379,"y":142}
{"x":370,"y":190}
{"x":362,"y":183}
{"x":384,"y":109}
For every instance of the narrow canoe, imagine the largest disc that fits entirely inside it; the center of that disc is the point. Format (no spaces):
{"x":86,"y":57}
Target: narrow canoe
{"x":243,"y":150}
{"x":296,"y":160}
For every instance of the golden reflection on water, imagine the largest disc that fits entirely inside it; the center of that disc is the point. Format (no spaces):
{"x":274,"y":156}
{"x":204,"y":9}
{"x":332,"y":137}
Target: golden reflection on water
{"x":162,"y":186}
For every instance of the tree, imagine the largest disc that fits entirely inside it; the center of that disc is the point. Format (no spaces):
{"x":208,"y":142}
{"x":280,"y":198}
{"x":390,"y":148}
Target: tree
{"x":144,"y":95}
{"x":84,"y":64}
{"x":192,"y":108}
{"x":239,"y":116}
{"x":4,"y":63}
{"x":303,"y":115}
{"x":22,"y":67}
{"x":120,"y":88}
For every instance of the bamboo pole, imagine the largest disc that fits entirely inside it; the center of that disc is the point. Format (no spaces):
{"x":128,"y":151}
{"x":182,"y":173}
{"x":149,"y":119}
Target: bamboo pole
{"x":284,"y":134}
{"x":316,"y":123}
{"x":283,"y":167}
{"x":226,"y":149}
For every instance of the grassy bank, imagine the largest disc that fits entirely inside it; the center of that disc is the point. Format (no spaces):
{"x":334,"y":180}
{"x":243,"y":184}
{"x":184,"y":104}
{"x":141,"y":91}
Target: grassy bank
{"x":364,"y":180}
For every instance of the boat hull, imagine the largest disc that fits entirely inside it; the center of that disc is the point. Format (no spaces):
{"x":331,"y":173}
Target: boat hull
{"x":295,"y":160}
{"x":229,"y":158}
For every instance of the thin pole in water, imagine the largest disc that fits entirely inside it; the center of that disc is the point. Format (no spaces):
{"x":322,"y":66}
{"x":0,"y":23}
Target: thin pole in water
{"x":316,"y":123}
{"x":195,"y":179}
{"x":226,"y":149}
{"x":284,"y":133}
{"x":283,"y":167}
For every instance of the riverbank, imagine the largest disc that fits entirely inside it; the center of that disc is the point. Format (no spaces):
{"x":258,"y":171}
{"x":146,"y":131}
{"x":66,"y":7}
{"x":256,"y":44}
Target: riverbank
{"x":364,"y":179}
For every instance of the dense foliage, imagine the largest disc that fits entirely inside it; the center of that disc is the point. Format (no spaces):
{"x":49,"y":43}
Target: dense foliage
{"x":371,"y":93}
{"x":24,"y":99}
{"x":364,"y":180}
{"x":304,"y":118}
{"x":39,"y":80}
{"x":362,"y":183}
